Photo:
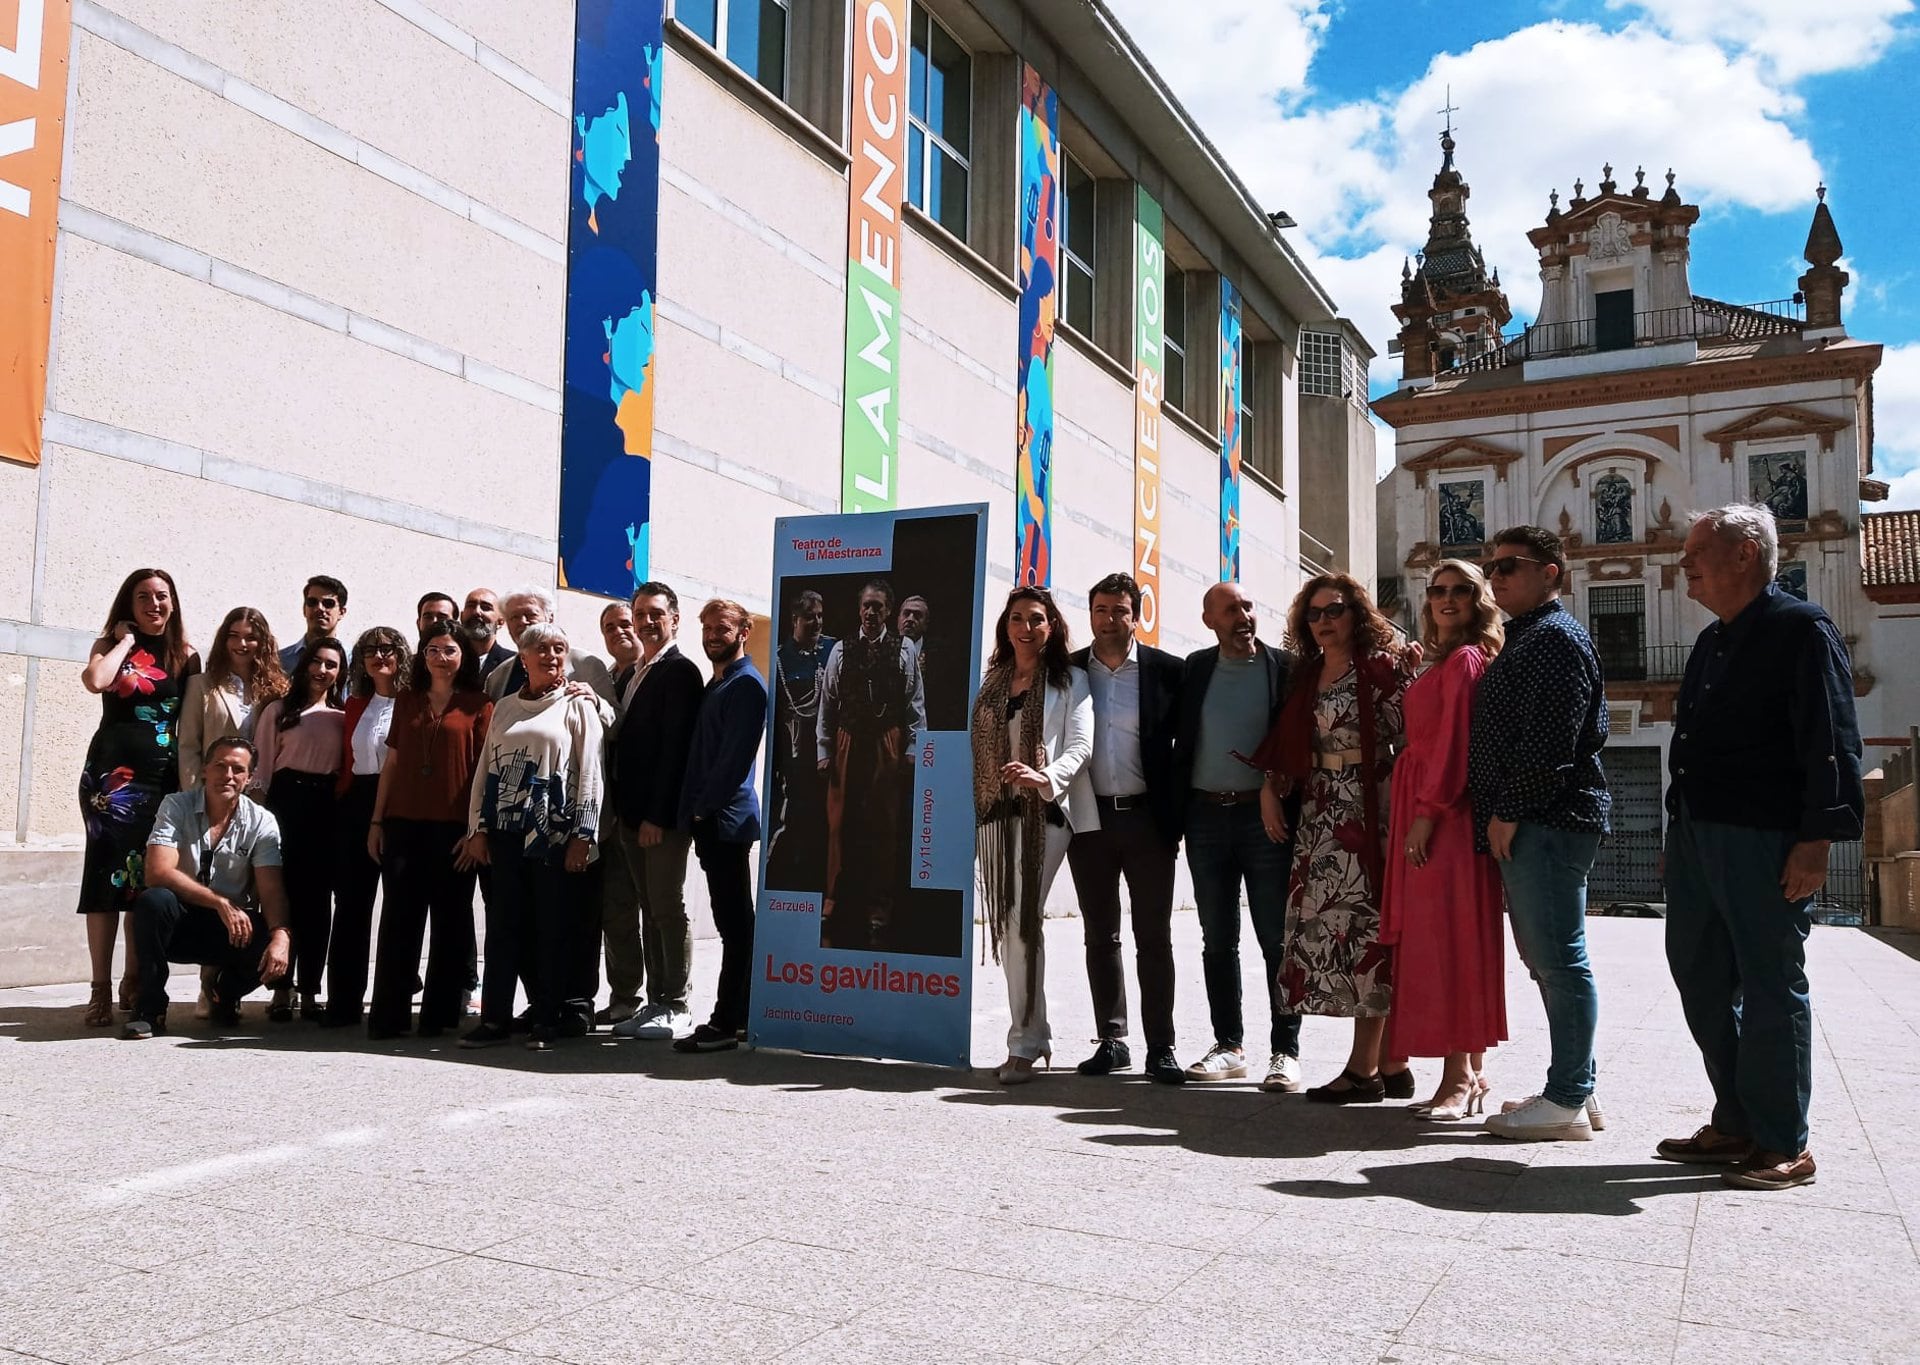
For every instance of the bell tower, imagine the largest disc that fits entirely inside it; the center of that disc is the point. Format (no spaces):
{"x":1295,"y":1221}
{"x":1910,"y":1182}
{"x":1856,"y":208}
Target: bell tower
{"x":1451,"y":309}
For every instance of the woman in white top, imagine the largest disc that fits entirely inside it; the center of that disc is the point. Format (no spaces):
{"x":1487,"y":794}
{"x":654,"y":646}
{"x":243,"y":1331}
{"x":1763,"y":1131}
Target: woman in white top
{"x":381,"y":670}
{"x":1032,"y":735}
{"x":243,"y":674}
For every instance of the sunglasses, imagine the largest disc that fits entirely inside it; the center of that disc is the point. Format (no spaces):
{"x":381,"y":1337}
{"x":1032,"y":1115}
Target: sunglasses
{"x":323,"y":603}
{"x":1439,"y":592}
{"x":383,"y":651}
{"x":1507,"y":564}
{"x":1333,"y":611}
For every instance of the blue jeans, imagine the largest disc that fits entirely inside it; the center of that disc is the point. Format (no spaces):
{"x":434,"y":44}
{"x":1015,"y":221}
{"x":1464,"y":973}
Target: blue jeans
{"x":1227,"y":845}
{"x":1738,"y":951}
{"x":1546,"y":882}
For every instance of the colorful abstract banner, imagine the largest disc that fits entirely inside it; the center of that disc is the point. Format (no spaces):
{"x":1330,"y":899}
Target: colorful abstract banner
{"x":33,"y":117}
{"x":1149,"y":387}
{"x":613,"y":249}
{"x":870,"y":476}
{"x":1231,"y":343}
{"x":864,"y":939}
{"x":1038,"y":274}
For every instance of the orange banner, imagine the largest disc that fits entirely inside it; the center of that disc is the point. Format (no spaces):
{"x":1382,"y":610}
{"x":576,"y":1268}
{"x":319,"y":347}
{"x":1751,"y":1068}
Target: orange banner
{"x":33,"y":113}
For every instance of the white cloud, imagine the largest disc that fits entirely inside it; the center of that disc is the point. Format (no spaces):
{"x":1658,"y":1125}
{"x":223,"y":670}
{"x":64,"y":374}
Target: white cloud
{"x":1794,"y":38}
{"x":1896,"y":424}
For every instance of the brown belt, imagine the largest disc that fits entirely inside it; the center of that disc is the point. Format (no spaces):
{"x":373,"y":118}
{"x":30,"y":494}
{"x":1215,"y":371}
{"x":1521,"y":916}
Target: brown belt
{"x":1226,"y":798}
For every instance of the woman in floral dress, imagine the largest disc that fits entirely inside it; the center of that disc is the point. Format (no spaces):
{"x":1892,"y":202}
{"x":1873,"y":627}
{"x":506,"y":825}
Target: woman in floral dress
{"x":1334,"y":745}
{"x":138,"y":668}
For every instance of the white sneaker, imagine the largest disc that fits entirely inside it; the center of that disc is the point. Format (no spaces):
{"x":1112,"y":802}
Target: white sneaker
{"x":1220,"y":1064}
{"x":1595,"y":1115}
{"x":635,"y":1025}
{"x":669,"y":1023}
{"x":1541,"y":1120}
{"x":1283,"y":1075}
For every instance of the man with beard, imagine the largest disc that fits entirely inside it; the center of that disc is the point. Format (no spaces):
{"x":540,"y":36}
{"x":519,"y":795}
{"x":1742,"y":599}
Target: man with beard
{"x":872,"y":709}
{"x":794,"y":858}
{"x":480,"y":622}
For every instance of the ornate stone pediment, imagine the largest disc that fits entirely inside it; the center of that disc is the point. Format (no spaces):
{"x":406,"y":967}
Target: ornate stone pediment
{"x":1775,"y":422}
{"x":1462,"y":453}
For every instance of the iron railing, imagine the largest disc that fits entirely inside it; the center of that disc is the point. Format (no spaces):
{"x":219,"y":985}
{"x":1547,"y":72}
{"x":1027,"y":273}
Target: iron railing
{"x":1643,"y":663}
{"x":1704,"y":319}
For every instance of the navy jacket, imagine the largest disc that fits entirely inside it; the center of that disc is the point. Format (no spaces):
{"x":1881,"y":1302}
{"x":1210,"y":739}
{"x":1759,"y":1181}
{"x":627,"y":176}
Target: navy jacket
{"x":719,"y":793}
{"x":648,"y":766}
{"x":1765,"y":735}
{"x":1160,"y":681}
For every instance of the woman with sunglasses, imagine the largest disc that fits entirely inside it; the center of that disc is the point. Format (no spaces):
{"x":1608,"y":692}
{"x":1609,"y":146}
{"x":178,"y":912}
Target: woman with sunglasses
{"x":1334,"y":744}
{"x":300,"y":740}
{"x":1441,"y":909}
{"x":1032,"y":736}
{"x":382,"y":670}
{"x":418,"y":832}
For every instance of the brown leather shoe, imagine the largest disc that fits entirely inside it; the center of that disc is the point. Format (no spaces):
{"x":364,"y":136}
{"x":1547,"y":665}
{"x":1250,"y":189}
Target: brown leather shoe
{"x":1707,"y":1147}
{"x":1772,"y":1171}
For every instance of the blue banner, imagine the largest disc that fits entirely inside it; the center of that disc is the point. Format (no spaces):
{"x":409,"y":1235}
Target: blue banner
{"x":613,"y":248}
{"x":864,"y":938}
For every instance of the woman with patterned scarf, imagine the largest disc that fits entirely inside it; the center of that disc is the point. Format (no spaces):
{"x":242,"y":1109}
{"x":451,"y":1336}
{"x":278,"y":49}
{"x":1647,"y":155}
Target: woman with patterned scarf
{"x":1032,"y":735}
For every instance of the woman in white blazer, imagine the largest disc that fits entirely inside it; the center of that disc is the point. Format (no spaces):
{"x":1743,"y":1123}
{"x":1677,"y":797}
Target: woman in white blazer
{"x":1032,"y":735}
{"x":242,"y":675}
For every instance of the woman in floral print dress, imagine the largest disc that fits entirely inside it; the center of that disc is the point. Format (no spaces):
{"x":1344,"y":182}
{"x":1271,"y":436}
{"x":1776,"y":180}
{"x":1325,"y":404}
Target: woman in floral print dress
{"x":138,"y":667}
{"x":1334,"y":745}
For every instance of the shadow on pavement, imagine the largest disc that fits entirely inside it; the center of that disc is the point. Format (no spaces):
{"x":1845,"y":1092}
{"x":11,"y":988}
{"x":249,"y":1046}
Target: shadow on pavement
{"x":1488,"y":1184}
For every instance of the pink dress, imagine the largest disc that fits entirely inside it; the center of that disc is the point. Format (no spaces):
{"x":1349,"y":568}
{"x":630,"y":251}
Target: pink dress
{"x":1444,"y":918}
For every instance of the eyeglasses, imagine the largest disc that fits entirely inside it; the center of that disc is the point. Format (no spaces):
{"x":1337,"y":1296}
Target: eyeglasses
{"x":1333,"y":611}
{"x":1507,"y":564}
{"x":322,"y":603}
{"x":1437,"y":592}
{"x":383,"y":651}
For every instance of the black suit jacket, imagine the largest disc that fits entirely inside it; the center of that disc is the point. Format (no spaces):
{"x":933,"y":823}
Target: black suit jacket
{"x":1193,"y":695}
{"x":1161,"y":679}
{"x":650,"y":752}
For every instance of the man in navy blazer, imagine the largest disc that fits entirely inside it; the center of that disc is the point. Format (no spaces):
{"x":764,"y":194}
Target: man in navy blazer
{"x":720,"y":808}
{"x":1136,"y":701}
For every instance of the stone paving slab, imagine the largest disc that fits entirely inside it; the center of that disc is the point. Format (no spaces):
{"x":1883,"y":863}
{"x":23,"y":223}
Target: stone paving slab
{"x":281,"y":1195}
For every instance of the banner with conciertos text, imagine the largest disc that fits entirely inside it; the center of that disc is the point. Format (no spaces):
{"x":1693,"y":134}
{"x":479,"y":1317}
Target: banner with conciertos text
{"x":863,"y":940}
{"x":1149,"y":388}
{"x":33,"y":120}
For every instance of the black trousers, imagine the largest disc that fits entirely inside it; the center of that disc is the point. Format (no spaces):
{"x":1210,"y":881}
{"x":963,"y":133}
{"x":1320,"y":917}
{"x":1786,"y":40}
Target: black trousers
{"x":535,"y":921}
{"x":423,"y":888}
{"x":1128,"y":845}
{"x":729,"y":875}
{"x":356,"y":886}
{"x":303,"y":803}
{"x":167,"y":930}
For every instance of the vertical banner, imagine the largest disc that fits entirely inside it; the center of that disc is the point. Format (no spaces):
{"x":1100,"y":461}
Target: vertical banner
{"x":1230,"y":433}
{"x":863,"y":941}
{"x":869,"y":480}
{"x":613,"y":251}
{"x":33,"y":120}
{"x":1149,"y":385}
{"x":1037,"y":272}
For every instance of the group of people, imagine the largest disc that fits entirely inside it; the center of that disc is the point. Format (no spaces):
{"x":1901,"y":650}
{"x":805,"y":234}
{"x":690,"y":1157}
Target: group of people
{"x":1379,"y":803}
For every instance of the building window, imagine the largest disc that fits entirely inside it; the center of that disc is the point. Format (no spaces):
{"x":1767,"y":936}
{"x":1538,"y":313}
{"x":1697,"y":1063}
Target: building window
{"x":1174,"y":343}
{"x":1779,"y":482}
{"x":1250,"y":447}
{"x":939,"y":125}
{"x":1463,"y":514}
{"x":1320,"y":364}
{"x":1617,"y":617}
{"x":1792,"y":578}
{"x":1613,"y":320}
{"x":752,"y":34}
{"x":1077,"y":224}
{"x":1612,"y":510}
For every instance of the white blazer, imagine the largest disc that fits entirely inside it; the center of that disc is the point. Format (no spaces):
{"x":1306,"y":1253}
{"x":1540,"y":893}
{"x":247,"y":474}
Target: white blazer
{"x":1068,"y":735}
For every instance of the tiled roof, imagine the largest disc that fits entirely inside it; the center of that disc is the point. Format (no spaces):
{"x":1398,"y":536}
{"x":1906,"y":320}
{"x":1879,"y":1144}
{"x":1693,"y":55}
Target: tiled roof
{"x":1890,"y":549}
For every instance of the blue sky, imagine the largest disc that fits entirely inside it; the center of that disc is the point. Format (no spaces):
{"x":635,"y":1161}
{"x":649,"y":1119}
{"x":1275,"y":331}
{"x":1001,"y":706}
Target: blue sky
{"x":1329,"y":109}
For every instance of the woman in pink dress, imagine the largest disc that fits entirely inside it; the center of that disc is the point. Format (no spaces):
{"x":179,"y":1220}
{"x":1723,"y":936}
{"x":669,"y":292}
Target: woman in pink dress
{"x":1441,"y":906}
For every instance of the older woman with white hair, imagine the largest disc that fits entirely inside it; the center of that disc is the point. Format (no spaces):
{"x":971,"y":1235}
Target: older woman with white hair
{"x":533,"y":605}
{"x":533,"y":817}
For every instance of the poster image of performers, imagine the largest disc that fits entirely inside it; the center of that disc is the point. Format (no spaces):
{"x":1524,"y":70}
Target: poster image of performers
{"x":864,"y":933}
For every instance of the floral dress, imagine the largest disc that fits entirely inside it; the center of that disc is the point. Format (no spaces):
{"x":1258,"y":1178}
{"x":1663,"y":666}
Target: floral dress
{"x":1335,"y":963}
{"x":131,"y":764}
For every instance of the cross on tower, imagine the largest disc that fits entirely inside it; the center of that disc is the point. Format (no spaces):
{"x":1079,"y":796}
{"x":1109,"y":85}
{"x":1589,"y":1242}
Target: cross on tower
{"x":1449,"y":109}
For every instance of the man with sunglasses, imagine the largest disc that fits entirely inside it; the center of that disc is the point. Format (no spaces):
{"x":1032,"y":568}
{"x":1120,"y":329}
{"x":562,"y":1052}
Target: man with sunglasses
{"x":324,"y":604}
{"x":1540,"y":805}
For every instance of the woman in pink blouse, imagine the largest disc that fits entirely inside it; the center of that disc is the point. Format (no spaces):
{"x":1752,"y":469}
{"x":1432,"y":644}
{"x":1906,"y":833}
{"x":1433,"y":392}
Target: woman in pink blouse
{"x":301,"y":739}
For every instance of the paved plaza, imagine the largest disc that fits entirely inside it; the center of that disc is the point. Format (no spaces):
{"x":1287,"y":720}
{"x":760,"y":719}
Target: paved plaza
{"x":279,"y":1196}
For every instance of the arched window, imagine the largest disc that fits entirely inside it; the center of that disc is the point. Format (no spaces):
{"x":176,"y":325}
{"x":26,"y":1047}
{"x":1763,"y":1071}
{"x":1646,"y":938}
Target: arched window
{"x":1612,"y":510}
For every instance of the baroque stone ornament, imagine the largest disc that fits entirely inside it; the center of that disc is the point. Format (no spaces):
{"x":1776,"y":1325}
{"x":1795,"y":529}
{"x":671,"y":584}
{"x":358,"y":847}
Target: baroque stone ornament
{"x":1609,"y":238}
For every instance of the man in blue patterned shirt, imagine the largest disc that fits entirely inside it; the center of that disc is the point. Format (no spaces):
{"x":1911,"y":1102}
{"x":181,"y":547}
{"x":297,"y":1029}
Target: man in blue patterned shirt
{"x":1540,"y":806}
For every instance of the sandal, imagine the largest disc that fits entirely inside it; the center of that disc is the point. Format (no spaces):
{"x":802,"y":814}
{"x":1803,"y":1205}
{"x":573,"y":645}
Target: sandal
{"x":1358,"y":1090}
{"x":129,"y":993}
{"x":99,"y":1012}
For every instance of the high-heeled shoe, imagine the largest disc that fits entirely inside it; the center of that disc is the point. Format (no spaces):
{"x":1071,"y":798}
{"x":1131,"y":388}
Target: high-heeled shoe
{"x":99,"y":1011}
{"x":1020,"y":1070}
{"x":129,"y":993}
{"x":1450,"y":1113}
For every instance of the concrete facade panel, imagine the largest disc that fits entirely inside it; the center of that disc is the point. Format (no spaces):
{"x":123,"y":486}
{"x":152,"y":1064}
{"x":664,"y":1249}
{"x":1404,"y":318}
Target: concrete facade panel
{"x":537,"y":37}
{"x":250,"y":193}
{"x":19,"y":504}
{"x":65,"y":715}
{"x":271,"y":390}
{"x":419,"y":102}
{"x":13,"y":719}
